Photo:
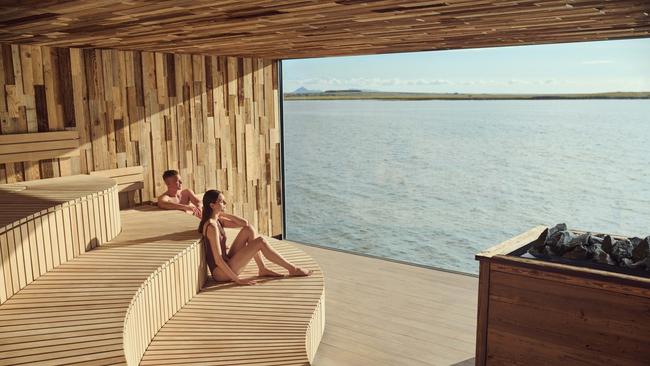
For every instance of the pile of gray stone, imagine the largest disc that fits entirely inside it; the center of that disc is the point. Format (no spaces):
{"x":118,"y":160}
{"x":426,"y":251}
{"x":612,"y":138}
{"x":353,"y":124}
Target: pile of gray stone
{"x":601,"y":248}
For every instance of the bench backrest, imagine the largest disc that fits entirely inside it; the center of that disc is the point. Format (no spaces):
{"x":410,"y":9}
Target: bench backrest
{"x":38,"y":146}
{"x":128,"y":179}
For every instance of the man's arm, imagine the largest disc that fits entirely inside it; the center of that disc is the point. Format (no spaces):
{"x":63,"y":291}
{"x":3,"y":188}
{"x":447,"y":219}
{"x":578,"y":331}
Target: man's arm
{"x":165,"y":202}
{"x":194,"y":198}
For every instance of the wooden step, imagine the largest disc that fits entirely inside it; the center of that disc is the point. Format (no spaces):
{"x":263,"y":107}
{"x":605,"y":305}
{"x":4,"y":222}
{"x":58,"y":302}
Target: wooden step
{"x":105,"y":305}
{"x":45,"y":223}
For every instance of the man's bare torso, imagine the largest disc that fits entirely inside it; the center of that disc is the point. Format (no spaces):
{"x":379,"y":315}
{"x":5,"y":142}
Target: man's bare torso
{"x":182,"y":197}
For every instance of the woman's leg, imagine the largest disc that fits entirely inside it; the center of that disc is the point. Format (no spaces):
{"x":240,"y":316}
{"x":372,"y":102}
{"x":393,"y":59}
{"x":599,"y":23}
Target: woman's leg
{"x":239,"y":260}
{"x":271,"y":254}
{"x":245,"y":254}
{"x":245,"y":236}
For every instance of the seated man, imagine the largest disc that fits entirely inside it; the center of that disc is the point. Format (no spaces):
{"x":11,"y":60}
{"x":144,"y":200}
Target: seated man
{"x":177,"y":198}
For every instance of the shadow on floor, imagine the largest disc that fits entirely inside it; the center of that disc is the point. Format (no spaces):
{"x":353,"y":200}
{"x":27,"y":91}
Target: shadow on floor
{"x":212,"y":285}
{"x":467,"y":362}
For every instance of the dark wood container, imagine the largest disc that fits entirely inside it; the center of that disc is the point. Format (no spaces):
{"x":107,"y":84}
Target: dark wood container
{"x":537,"y":312}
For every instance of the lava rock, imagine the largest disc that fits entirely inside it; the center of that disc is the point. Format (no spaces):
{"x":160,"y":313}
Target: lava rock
{"x":621,"y":249}
{"x":635,"y":241}
{"x":641,"y":250}
{"x":608,"y":244}
{"x":647,"y":263}
{"x":644,"y":264}
{"x":579,"y":252}
{"x":555,"y":233}
{"x":578,"y":247}
{"x":627,"y":263}
{"x":558,"y":246}
{"x":596,"y":239}
{"x":557,"y":241}
{"x":548,"y":252}
{"x":568,"y":241}
{"x":603,"y":257}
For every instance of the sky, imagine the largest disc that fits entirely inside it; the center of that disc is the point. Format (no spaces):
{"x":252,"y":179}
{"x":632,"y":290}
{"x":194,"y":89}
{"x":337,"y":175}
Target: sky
{"x":584,"y":67}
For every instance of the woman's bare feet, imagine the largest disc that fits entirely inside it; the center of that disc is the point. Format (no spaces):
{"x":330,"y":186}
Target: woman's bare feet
{"x":267,"y":272}
{"x":300,"y":272}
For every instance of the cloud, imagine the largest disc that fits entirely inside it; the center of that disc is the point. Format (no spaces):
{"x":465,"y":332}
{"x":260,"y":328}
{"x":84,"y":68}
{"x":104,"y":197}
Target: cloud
{"x":597,"y":62}
{"x":400,"y":82}
{"x":521,"y":84}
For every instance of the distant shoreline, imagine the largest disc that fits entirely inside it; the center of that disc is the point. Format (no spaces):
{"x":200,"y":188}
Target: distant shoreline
{"x":356,"y":95}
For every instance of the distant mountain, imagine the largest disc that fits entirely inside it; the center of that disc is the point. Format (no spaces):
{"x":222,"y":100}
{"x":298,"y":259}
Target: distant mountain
{"x":362,"y":94}
{"x":303,"y":90}
{"x":344,"y":91}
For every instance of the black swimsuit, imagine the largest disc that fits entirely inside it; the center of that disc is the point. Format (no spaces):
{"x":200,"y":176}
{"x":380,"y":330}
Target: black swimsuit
{"x":209,"y":256}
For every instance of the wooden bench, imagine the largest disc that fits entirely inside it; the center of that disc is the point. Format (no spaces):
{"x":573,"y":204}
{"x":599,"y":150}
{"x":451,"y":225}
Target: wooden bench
{"x":38,"y":146}
{"x":129,"y":181}
{"x":279,"y":321}
{"x":45,"y":223}
{"x":106,"y":305}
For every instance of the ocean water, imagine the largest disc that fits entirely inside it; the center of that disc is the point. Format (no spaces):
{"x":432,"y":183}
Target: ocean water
{"x":435,"y":182}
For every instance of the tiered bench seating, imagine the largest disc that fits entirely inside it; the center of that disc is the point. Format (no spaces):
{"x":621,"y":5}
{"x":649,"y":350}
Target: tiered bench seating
{"x":45,"y":223}
{"x":275,"y":322}
{"x":104,"y":306}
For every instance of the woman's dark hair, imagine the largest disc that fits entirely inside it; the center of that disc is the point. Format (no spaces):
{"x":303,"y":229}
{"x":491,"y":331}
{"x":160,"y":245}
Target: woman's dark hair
{"x":210,"y":196}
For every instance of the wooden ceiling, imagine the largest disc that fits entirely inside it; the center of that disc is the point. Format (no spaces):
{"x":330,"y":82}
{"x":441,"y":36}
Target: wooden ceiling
{"x":304,"y":28}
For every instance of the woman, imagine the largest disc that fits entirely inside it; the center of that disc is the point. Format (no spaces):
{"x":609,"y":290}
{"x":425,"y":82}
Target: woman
{"x":226,"y":265}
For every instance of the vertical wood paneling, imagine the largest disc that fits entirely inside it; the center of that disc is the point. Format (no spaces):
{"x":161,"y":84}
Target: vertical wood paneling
{"x":215,"y":119}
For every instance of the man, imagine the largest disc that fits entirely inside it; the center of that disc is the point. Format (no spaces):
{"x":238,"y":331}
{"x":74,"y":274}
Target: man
{"x":177,"y":198}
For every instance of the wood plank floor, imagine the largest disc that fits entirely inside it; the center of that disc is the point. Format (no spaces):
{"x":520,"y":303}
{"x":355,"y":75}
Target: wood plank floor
{"x":377,"y":313}
{"x":74,"y":314}
{"x":386,"y":313}
{"x":264,"y":324}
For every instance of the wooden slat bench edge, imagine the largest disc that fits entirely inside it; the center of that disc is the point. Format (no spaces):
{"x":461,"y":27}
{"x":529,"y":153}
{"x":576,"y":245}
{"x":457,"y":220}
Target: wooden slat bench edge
{"x":39,"y":155}
{"x":38,"y":137}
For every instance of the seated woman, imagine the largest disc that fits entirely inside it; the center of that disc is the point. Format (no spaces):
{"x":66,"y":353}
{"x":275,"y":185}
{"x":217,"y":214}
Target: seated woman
{"x":226,"y":265}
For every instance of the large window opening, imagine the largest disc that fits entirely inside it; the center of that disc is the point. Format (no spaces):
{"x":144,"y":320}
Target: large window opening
{"x":434,"y":181}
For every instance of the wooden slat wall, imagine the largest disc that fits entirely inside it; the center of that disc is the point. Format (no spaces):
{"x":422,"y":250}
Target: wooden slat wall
{"x":215,"y":119}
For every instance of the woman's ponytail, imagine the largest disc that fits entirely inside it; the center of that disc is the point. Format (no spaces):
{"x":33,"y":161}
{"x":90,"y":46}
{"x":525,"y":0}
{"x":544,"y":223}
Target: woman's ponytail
{"x":210,"y":196}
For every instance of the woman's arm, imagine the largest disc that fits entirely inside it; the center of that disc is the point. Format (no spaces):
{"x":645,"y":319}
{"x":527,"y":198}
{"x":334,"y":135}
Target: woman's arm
{"x":213,"y":238}
{"x":229,"y":220}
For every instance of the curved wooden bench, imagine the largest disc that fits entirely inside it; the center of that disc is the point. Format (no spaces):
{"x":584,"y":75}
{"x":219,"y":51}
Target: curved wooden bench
{"x":45,"y":223}
{"x":277,"y":322}
{"x":129,"y":181}
{"x":104,"y":306}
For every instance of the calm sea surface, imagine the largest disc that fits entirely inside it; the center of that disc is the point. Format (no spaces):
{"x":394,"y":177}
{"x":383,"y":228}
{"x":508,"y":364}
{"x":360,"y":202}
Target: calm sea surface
{"x":434,"y":182}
